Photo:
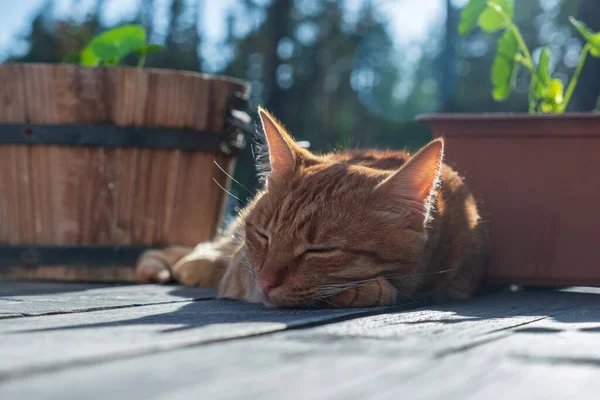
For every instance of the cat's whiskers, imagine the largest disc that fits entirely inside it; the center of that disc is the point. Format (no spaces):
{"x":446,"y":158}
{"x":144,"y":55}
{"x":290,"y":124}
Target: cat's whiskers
{"x":226,"y":191}
{"x":245,"y":265}
{"x":326,"y":291}
{"x":231,"y":177}
{"x":410,"y":275}
{"x":406,"y":296}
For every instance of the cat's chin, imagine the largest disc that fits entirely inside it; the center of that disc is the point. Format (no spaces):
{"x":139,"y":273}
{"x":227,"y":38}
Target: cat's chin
{"x":269,"y":304}
{"x":287,"y":303}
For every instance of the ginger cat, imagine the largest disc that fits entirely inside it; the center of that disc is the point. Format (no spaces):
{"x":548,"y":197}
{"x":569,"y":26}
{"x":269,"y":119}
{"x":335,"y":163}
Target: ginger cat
{"x":352,"y":229}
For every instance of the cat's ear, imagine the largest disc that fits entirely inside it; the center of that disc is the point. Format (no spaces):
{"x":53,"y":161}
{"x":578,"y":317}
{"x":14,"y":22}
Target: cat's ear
{"x":413,"y":184}
{"x":282,"y":148}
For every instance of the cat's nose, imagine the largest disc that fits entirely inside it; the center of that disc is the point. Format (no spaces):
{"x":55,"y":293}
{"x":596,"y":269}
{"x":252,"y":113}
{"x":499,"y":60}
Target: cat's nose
{"x":267,"y":285}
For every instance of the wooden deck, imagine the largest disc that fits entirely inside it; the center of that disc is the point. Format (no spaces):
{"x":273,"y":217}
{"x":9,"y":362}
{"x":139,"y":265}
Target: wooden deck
{"x":82,"y":341}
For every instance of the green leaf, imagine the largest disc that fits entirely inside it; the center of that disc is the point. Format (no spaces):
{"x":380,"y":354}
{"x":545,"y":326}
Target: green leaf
{"x":543,"y":68}
{"x":505,"y":67}
{"x":470,"y":15}
{"x":542,"y":72}
{"x":148,"y":49}
{"x":590,"y":36}
{"x":497,"y":15}
{"x":118,"y":42}
{"x":88,"y":58}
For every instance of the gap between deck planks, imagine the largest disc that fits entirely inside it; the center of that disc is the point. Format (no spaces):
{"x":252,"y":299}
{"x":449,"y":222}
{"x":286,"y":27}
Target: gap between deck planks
{"x":25,"y":299}
{"x":129,"y":321}
{"x":484,"y":347}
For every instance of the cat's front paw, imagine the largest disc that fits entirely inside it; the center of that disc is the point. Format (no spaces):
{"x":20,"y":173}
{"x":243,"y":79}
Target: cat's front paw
{"x":194,"y":272}
{"x":204,"y":266}
{"x":378,"y":292}
{"x":154,"y":266}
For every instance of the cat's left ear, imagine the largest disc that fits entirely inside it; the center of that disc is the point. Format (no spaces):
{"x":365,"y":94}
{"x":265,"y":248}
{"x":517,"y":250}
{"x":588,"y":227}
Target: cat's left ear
{"x":283,"y":151}
{"x":412,"y":186}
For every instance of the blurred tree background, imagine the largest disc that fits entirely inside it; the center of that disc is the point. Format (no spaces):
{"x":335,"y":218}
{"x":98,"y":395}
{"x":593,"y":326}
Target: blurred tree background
{"x":333,"y":71}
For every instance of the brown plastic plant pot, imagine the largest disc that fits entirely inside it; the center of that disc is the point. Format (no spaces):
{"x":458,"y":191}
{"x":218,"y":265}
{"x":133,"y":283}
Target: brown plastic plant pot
{"x":99,"y":164}
{"x":536,"y":180}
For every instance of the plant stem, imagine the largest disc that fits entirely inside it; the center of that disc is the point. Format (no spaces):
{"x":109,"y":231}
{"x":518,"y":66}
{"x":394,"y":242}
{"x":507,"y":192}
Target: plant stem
{"x":510,"y":25}
{"x":575,"y":78}
{"x":522,"y":46}
{"x":526,"y":60}
{"x":528,"y":63}
{"x":141,"y":61}
{"x":531,"y":94}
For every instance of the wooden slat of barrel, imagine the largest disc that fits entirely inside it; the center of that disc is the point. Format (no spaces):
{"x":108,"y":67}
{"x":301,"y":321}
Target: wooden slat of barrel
{"x":99,"y":196}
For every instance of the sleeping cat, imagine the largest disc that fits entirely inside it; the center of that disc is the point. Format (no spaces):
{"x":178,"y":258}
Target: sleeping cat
{"x":350,"y":229}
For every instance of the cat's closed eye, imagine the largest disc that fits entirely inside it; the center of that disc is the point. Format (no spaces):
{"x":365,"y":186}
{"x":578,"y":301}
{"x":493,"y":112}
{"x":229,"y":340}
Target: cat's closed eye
{"x":321,"y":250}
{"x":261,"y":236}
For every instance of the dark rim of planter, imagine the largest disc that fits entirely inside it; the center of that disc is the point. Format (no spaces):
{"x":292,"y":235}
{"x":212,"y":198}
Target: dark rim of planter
{"x":434,"y":117}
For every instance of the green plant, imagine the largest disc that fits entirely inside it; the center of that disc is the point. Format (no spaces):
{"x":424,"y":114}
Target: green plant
{"x":110,"y":47}
{"x":546,"y":95}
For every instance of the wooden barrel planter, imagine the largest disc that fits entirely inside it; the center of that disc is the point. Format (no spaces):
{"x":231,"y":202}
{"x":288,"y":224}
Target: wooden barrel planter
{"x":99,"y":164}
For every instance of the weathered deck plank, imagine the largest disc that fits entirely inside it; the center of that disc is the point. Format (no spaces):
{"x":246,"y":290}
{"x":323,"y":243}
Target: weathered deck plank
{"x":28,"y":299}
{"x":534,"y":345}
{"x":46,"y":342}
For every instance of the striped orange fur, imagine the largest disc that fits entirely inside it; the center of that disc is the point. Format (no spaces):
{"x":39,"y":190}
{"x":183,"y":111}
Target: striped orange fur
{"x":353,"y":229}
